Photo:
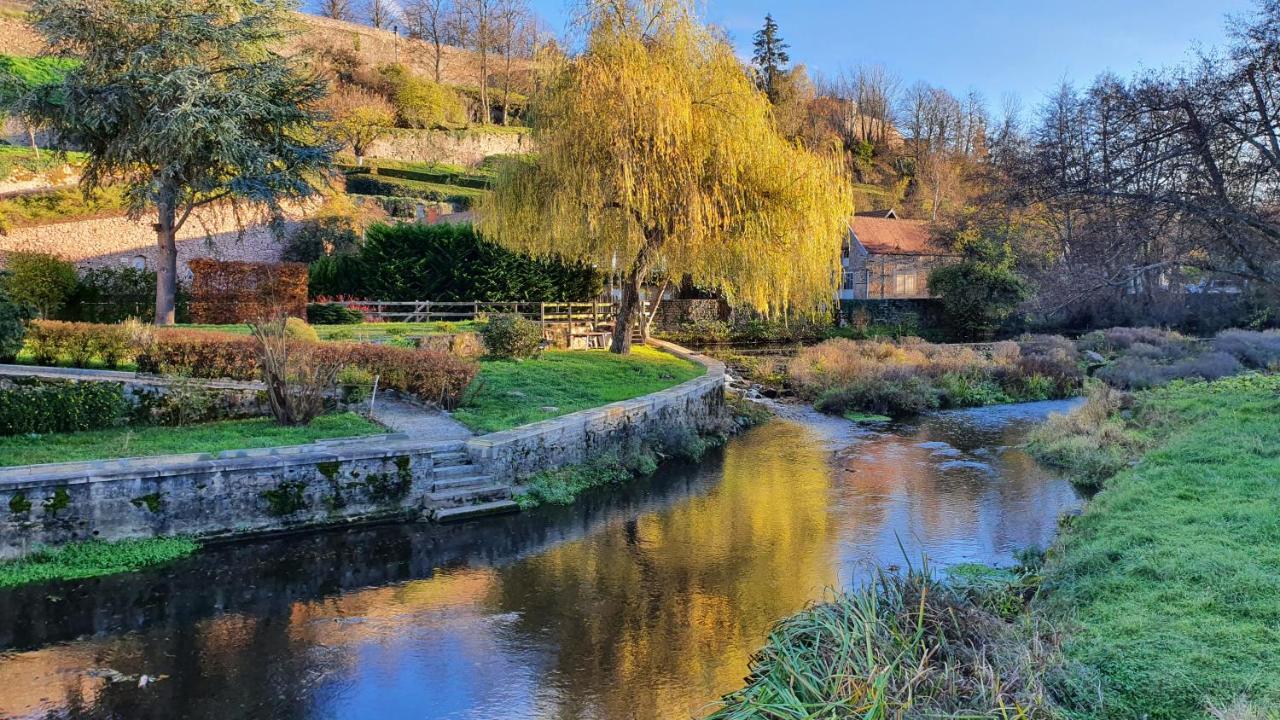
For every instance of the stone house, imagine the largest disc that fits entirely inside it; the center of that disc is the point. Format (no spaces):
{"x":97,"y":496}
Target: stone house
{"x":887,"y":258}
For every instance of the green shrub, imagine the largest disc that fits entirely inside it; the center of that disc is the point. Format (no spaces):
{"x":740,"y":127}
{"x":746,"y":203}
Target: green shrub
{"x":355,"y":383}
{"x":970,"y":390}
{"x":511,"y":337}
{"x":40,"y":280}
{"x":13,"y":324}
{"x":382,"y":186}
{"x":421,"y":103}
{"x":298,"y":329}
{"x":48,"y":406}
{"x":79,"y":344}
{"x":895,"y":397}
{"x":316,"y":237}
{"x":333,"y":314}
{"x":562,"y":486}
{"x":448,"y":263}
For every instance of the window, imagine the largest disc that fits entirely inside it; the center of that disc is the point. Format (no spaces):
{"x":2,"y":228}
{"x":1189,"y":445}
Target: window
{"x":848,"y":281}
{"x":904,"y":282}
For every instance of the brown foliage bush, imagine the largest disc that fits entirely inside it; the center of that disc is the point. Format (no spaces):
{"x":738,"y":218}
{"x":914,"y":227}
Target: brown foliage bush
{"x":79,"y":344}
{"x":298,"y":377}
{"x":226,"y":292}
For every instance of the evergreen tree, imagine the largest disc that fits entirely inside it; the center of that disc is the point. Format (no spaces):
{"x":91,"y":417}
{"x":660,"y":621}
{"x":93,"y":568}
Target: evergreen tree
{"x":770,"y":58}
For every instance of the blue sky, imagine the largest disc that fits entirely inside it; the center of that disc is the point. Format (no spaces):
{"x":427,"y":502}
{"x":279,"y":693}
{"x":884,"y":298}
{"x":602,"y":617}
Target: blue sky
{"x":1024,"y":47}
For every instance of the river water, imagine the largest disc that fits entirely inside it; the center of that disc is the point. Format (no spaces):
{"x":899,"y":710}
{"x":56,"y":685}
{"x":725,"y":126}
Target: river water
{"x":641,"y":602}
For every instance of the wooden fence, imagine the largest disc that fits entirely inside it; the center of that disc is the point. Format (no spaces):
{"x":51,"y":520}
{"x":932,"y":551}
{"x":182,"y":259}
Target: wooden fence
{"x":433,"y":311}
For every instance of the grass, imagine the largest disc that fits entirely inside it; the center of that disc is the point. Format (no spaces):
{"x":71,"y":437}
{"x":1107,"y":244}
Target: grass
{"x":859,"y":417}
{"x":1169,"y":580}
{"x":93,"y":559}
{"x":563,"y":485}
{"x":204,"y":438}
{"x":60,"y":205}
{"x":906,"y":646}
{"x":511,"y":393}
{"x":16,"y":158}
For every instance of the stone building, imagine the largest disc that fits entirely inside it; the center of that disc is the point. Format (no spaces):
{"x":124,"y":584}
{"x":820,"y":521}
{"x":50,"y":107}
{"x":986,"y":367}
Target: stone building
{"x":887,"y":258}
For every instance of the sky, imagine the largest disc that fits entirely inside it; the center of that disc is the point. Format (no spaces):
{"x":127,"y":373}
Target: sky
{"x":998,"y":47}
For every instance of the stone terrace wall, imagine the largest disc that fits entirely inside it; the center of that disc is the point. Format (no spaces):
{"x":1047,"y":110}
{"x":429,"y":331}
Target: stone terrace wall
{"x":696,"y":405}
{"x":100,"y":242}
{"x":467,"y":148}
{"x":242,"y":492}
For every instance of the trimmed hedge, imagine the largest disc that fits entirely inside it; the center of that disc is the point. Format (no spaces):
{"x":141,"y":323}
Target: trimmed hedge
{"x":227,"y":292}
{"x":29,"y":405}
{"x":79,"y":344}
{"x":364,"y":184}
{"x":448,"y":263}
{"x":333,"y":314}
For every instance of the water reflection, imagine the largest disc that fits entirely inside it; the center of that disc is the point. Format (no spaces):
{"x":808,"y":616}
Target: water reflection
{"x":643,"y":602}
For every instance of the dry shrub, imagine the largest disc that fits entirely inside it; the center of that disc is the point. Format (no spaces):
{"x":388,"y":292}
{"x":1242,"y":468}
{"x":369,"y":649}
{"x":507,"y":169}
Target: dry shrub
{"x":1092,"y":441}
{"x":201,"y":354}
{"x":299,"y":379}
{"x":1257,"y":350}
{"x":226,"y":292}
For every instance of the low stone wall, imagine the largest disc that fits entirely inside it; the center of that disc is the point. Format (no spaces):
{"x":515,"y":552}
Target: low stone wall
{"x":454,"y":147}
{"x":696,"y":405}
{"x":201,"y":496}
{"x":674,"y":313}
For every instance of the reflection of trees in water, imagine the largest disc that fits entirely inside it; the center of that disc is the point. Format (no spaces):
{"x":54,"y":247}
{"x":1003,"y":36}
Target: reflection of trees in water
{"x":655,"y":616}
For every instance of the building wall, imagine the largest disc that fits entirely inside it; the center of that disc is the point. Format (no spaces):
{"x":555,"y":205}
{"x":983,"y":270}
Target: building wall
{"x":888,"y":277}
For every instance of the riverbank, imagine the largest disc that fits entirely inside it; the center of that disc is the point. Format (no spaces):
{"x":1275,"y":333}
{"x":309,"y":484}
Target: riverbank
{"x":1158,"y":601}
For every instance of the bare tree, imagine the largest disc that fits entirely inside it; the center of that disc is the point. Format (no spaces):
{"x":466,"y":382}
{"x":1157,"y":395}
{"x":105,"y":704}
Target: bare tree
{"x":515,"y":35}
{"x":380,"y":13}
{"x":482,"y":20}
{"x":432,"y":22}
{"x":336,"y":9}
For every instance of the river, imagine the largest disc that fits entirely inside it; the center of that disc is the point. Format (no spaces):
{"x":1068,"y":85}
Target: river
{"x":640,"y":602}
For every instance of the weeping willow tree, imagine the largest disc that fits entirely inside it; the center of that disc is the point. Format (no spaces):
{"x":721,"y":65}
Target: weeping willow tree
{"x":656,"y":150}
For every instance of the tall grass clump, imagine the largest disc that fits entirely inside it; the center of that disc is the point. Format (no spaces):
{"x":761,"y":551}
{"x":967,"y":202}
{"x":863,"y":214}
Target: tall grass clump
{"x":905,"y":646}
{"x":92,"y":559}
{"x":910,"y":376}
{"x":1093,"y":441}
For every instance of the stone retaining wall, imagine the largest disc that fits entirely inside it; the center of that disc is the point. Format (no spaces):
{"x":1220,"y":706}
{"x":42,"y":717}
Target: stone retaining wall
{"x":694,"y":406}
{"x":326,"y":483}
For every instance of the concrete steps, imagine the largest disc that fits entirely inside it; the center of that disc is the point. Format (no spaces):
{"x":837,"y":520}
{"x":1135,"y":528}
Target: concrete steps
{"x":468,"y":512}
{"x":460,"y":490}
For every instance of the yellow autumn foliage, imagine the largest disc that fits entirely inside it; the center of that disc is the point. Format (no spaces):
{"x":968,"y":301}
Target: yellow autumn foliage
{"x":656,"y":149}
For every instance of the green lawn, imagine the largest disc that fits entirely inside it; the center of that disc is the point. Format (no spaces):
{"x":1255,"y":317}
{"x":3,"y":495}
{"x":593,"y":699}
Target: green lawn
{"x":92,"y":559}
{"x":1168,"y":586}
{"x":209,"y":437}
{"x":508,"y":393}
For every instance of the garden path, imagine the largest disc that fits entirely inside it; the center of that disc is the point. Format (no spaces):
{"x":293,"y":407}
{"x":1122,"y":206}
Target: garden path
{"x":418,"y":421}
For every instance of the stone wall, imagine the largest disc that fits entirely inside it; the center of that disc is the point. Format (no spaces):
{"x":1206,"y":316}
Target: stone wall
{"x":106,"y":241}
{"x":196,"y":495}
{"x":674,"y":313}
{"x":461,"y":147}
{"x":695,"y":406}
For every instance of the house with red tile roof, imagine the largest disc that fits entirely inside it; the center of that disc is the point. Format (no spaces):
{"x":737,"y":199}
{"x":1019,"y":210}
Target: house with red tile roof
{"x":888,"y":258}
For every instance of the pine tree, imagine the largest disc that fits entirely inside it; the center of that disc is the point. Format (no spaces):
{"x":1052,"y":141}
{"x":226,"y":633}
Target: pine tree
{"x":770,"y":57}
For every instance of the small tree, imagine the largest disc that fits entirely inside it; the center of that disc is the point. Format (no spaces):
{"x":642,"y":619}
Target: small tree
{"x":769,"y":57}
{"x":40,"y":280}
{"x":357,"y":118}
{"x":655,"y":152}
{"x":980,"y":291}
{"x":185,"y":103}
{"x":298,"y":379}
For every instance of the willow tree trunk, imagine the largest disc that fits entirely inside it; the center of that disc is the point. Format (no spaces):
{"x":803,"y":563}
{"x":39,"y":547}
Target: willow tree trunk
{"x":167,"y":269}
{"x":631,"y":299}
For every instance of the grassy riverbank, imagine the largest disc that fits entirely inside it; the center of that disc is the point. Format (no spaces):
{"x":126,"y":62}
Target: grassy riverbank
{"x":1167,"y":586}
{"x":203,"y":438}
{"x":509,"y":393}
{"x":1159,"y":601}
{"x":92,"y":559}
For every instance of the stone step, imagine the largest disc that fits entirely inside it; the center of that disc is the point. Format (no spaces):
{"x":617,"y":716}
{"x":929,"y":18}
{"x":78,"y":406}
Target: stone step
{"x":467,"y":512}
{"x":449,"y":459}
{"x":455,"y":483}
{"x":469,"y":495}
{"x":455,"y":471}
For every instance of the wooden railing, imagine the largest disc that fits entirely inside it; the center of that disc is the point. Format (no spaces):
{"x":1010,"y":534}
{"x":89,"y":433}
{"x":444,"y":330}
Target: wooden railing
{"x":436,"y":311}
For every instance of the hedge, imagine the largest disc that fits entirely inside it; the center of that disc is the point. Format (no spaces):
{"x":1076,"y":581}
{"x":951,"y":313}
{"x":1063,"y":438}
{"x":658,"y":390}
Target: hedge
{"x":28,"y":405}
{"x":378,"y":185}
{"x":448,"y":263}
{"x":229,"y":292}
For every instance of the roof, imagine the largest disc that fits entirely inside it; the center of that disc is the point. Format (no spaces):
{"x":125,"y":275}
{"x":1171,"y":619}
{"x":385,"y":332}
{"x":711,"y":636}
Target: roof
{"x":884,"y":214}
{"x":881,"y":236}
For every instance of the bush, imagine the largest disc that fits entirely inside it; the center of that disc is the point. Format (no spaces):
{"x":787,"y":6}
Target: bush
{"x":1091,"y":441}
{"x":1140,"y":373}
{"x":13,"y":324}
{"x":298,"y":378}
{"x":970,"y":390}
{"x":355,"y":384}
{"x":79,"y":344}
{"x":316,"y":237}
{"x":40,"y":280}
{"x":112,"y":294}
{"x":333,"y":314}
{"x":1257,"y":350}
{"x":448,"y":263}
{"x":226,"y":292}
{"x":895,"y":397}
{"x":298,"y":329}
{"x":383,"y":186}
{"x":421,"y":103}
{"x":196,"y":353}
{"x":48,"y":406}
{"x":511,"y":337}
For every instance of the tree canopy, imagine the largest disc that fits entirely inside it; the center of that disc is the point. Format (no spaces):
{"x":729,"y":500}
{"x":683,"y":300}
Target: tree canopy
{"x":184,"y":103}
{"x":769,"y":56}
{"x":657,"y":153}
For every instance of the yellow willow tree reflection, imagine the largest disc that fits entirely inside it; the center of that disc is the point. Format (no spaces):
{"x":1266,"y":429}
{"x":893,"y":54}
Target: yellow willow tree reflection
{"x":656,"y":616}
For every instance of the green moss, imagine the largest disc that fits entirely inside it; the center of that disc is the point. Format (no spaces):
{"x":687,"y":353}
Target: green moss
{"x":562,"y":486}
{"x":286,"y":498}
{"x":391,"y":487}
{"x":93,"y":558}
{"x":860,"y":417}
{"x":329,"y":469}
{"x":19,"y":504}
{"x":58,"y":501}
{"x":152,"y":502}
